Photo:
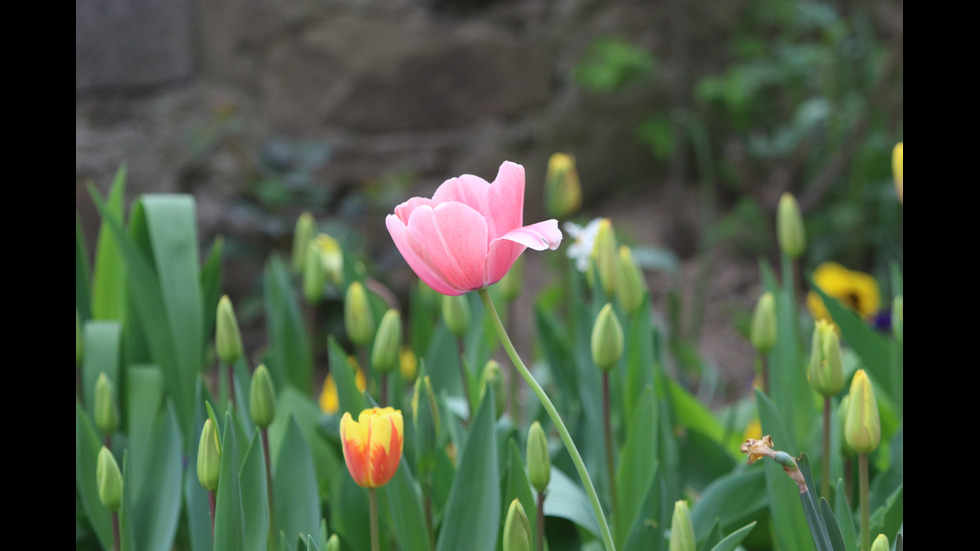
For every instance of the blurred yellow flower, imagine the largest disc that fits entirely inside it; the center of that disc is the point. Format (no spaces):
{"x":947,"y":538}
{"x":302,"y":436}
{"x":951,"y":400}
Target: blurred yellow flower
{"x":329,"y":403}
{"x":856,"y":290}
{"x":898,"y":169}
{"x":408,"y":364}
{"x":753,"y":431}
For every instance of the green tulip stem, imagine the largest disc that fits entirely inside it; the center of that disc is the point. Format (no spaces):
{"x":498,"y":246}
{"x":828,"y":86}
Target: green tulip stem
{"x":539,"y":536}
{"x":825,"y":467}
{"x":212,"y":503}
{"x":464,"y":380}
{"x":264,"y":433}
{"x":610,"y":461}
{"x":865,"y":507}
{"x":231,"y":383}
{"x":373,"y":504}
{"x":115,"y":531}
{"x":566,"y":438}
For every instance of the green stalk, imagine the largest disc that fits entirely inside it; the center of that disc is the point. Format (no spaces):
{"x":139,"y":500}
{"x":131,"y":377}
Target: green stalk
{"x":273,"y":536}
{"x":865,"y":506}
{"x":373,"y":504}
{"x":566,"y":438}
{"x":825,"y":467}
{"x":539,"y":536}
{"x":116,"y":546}
{"x":610,"y":464}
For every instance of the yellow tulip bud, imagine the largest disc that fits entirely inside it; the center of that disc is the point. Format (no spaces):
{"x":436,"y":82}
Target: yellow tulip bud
{"x":826,"y":370}
{"x":104,"y":410}
{"x":408,"y":364}
{"x":388,"y":343}
{"x":108,"y":480}
{"x":538,"y":458}
{"x":862,"y":426}
{"x":209,"y":457}
{"x":302,"y":235}
{"x":227,"y":337}
{"x":763,"y":333}
{"x":517,"y":529}
{"x":607,"y":339}
{"x":562,"y":191}
{"x":681,"y":529}
{"x":262,"y":397}
{"x":897,"y":169}
{"x":789,"y":226}
{"x":331,"y":257}
{"x":880,"y":543}
{"x":358,"y":318}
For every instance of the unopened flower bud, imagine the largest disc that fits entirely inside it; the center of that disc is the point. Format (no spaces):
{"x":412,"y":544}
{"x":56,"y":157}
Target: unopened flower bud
{"x":517,"y":529}
{"x":456,"y":314}
{"x":763,"y":333}
{"x":262,"y":397}
{"x":388,"y":343}
{"x":227,"y":337}
{"x":109,"y":480}
{"x":862,"y":426}
{"x":562,"y":191}
{"x":897,"y":169}
{"x":606,"y":256}
{"x":302,"y":235}
{"x":880,"y":543}
{"x":607,"y":339}
{"x":333,"y":544}
{"x":208,"y":457}
{"x":358,"y":318}
{"x":826,"y":370}
{"x":630,"y":287}
{"x":314,"y":275}
{"x":332,"y":258}
{"x":789,"y":226}
{"x":538,"y":459}
{"x":425,"y":415}
{"x":681,"y":529}
{"x":492,"y":378}
{"x":513,"y":281}
{"x":105,"y":411}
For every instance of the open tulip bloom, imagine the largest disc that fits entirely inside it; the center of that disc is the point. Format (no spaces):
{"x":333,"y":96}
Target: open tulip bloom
{"x":372,"y":445}
{"x":467,"y":236}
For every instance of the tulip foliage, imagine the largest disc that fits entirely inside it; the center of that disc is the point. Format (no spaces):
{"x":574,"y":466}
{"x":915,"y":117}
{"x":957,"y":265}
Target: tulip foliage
{"x":441,"y":459}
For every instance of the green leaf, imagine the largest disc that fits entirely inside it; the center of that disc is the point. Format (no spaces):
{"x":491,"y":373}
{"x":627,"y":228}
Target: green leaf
{"x":516,"y":486}
{"x":297,"y":500}
{"x":87,"y":446}
{"x":733,"y":499}
{"x":567,"y":500}
{"x":144,"y":397}
{"x":473,"y":510}
{"x":845,"y":518}
{"x":154,"y":486}
{"x":229,"y":517}
{"x":404,"y":501}
{"x":646,"y":533}
{"x":108,"y":278}
{"x":637,"y":466}
{"x":639,"y":358}
{"x":733,"y":540}
{"x":789,"y":524}
{"x":255,"y":498}
{"x":350,"y":398}
{"x":102,"y":354}
{"x":211,"y":285}
{"x":290,"y":355}
{"x":888,"y":518}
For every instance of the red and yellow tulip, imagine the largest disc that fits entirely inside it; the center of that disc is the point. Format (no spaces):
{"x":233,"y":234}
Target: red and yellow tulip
{"x":372,"y":445}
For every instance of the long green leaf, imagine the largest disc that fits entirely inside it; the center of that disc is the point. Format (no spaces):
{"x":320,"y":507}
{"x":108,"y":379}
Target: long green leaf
{"x":144,"y":398}
{"x":108,"y":277}
{"x":566,"y":499}
{"x":516,"y":486}
{"x":290,"y":357}
{"x":255,"y":499}
{"x":229,"y":516}
{"x":637,"y":466}
{"x":211,"y":285}
{"x":404,"y":501}
{"x":473,"y":510}
{"x":87,"y":446}
{"x":732,"y":499}
{"x":733,"y":540}
{"x":297,"y":501}
{"x":155,"y":486}
{"x":102,"y":348}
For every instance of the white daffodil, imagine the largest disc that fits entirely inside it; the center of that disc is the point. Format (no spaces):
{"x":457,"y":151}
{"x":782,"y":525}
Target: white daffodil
{"x":581,"y":249}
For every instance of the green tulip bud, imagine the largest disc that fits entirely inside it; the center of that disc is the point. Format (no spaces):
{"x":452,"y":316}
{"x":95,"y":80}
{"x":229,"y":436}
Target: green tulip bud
{"x":607,"y":339}
{"x":105,"y":411}
{"x":862,"y":426}
{"x":562,"y":191}
{"x":426,"y":419}
{"x":456,"y":314}
{"x":209,"y":457}
{"x":109,"y":480}
{"x":262,"y":397}
{"x":358,"y":318}
{"x":302,"y":235}
{"x":789,"y":226}
{"x":763,"y":335}
{"x":630,"y":286}
{"x":332,"y":258}
{"x":79,"y":343}
{"x":517,"y":529}
{"x":880,"y":543}
{"x":681,"y":529}
{"x":492,"y":378}
{"x":227,"y":339}
{"x":512,"y":283}
{"x":538,"y":459}
{"x":826,"y":370}
{"x":314,"y":274}
{"x":606,"y":256}
{"x":333,"y":544}
{"x":388,"y":343}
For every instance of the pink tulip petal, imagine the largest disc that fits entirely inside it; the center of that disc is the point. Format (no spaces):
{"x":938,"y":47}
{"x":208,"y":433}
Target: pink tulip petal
{"x":506,"y":199}
{"x":505,"y":250}
{"x":404,"y":210}
{"x":417,"y":257}
{"x":455,"y":237}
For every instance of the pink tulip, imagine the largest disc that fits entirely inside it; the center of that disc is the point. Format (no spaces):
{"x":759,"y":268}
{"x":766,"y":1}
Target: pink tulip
{"x":470,"y":233}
